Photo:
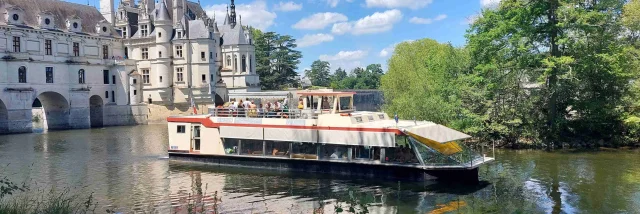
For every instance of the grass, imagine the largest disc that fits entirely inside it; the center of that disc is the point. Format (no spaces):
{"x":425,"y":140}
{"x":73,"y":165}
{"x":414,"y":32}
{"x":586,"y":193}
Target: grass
{"x":21,"y":199}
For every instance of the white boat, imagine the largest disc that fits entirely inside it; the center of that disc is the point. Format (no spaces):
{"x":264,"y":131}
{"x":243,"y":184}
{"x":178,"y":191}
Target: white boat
{"x":324,"y":135}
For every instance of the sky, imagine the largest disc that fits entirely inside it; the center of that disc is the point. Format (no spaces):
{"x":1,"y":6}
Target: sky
{"x":352,"y":33}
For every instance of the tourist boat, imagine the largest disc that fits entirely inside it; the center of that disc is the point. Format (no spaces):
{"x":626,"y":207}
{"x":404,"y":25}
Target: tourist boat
{"x":323,"y":134}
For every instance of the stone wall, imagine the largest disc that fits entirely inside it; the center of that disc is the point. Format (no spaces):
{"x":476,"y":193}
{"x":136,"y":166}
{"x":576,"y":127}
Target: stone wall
{"x":116,"y":115}
{"x":367,"y":100}
{"x":159,"y":113}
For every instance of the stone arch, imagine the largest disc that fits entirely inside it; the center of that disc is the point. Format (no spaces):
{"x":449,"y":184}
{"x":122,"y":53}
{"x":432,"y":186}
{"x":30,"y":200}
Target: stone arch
{"x":4,"y":118}
{"x":56,"y":110}
{"x":95,"y":111}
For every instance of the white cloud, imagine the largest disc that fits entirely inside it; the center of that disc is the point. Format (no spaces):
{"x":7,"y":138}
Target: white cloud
{"x":413,"y":4}
{"x":333,"y":3}
{"x":319,"y":21}
{"x":417,"y":20}
{"x":375,"y":23}
{"x":346,"y":60}
{"x":314,"y":39}
{"x":489,"y":3}
{"x":386,"y":52}
{"x":287,"y":6}
{"x":471,"y":19}
{"x":254,"y":14}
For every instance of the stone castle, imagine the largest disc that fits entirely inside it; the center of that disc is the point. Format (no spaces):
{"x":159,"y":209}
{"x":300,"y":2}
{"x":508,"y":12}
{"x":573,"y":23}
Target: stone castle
{"x":87,"y":67}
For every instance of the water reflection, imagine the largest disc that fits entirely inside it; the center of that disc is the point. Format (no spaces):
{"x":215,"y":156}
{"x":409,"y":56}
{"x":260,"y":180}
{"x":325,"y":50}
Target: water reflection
{"x":126,"y":170}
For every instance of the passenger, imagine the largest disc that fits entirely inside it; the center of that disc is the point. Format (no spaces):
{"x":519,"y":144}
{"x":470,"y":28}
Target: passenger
{"x":336,"y":154}
{"x":261,"y":111}
{"x":300,"y":104}
{"x":325,"y":103}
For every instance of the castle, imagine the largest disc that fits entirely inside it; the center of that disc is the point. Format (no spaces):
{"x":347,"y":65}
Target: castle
{"x":88,"y":67}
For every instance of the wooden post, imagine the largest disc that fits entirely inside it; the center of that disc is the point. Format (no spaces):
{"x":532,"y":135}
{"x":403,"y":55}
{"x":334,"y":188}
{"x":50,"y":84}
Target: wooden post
{"x":382,"y":155}
{"x":290,"y":149}
{"x":239,"y":147}
{"x":349,"y":153}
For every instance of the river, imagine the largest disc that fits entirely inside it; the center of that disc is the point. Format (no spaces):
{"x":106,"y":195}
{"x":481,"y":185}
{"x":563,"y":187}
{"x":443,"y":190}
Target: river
{"x":127,"y":171}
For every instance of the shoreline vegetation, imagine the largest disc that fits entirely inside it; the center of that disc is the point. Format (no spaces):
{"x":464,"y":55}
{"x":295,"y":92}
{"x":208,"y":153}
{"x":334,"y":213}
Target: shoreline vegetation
{"x":533,"y":74}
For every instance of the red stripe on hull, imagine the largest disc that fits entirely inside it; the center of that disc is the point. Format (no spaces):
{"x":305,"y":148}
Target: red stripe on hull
{"x":206,"y":122}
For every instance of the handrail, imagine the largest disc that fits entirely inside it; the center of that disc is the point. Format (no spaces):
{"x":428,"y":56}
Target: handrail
{"x":258,"y":113}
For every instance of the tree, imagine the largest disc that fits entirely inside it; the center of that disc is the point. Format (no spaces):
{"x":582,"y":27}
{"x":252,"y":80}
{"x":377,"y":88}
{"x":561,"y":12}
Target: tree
{"x":423,"y":83}
{"x":276,"y":58}
{"x":319,"y":73}
{"x":551,"y":68}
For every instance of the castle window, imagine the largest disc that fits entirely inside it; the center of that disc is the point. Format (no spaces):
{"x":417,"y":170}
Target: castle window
{"x":210,"y":55}
{"x":228,"y":60}
{"x":47,"y":47}
{"x":250,"y":63}
{"x":113,"y":96}
{"x":145,"y":76}
{"x":235,"y":63}
{"x":160,"y":78}
{"x":145,"y":53}
{"x":22,"y":74}
{"x":159,"y":54}
{"x":105,"y":52}
{"x":202,"y":55}
{"x":76,"y":49}
{"x":244,"y":63}
{"x":204,"y":78}
{"x":81,"y":76}
{"x":159,"y":34}
{"x":179,"y":51}
{"x":104,"y":29}
{"x":124,"y":32}
{"x":179,"y":35}
{"x":16,"y":44}
{"x":106,"y":94}
{"x":49,"y":74}
{"x":144,"y":30}
{"x":179,"y":75}
{"x":47,"y":21}
{"x":16,"y":17}
{"x":105,"y":77}
{"x":75,"y":25}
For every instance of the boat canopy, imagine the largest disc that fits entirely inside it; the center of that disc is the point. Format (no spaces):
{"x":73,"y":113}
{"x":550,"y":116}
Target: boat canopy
{"x":437,"y":137}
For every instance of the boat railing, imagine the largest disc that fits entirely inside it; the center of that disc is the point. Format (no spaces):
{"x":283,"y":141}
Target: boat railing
{"x":261,"y":113}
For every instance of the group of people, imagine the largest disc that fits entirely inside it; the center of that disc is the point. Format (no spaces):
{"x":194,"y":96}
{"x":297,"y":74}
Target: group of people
{"x":246,"y":108}
{"x":402,"y":154}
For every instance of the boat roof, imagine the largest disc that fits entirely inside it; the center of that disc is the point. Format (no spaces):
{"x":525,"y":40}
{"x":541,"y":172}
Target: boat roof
{"x":325,"y":93}
{"x":260,"y":95}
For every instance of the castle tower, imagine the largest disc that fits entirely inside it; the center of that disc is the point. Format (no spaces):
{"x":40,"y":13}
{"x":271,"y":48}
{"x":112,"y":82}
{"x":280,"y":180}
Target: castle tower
{"x":162,"y":64}
{"x":178,"y":10}
{"x":106,"y":9}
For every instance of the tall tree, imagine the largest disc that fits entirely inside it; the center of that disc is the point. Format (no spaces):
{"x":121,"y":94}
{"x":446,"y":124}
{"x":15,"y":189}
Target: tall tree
{"x":276,"y":58}
{"x":319,"y":73}
{"x":551,"y":67}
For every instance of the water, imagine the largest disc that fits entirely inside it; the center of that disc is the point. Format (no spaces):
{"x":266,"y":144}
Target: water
{"x":127,"y":170}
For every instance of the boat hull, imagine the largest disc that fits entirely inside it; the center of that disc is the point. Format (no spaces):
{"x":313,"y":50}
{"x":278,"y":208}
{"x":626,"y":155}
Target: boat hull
{"x":349,"y":169}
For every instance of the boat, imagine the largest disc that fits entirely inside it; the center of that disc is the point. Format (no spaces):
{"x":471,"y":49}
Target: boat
{"x":322,"y":133}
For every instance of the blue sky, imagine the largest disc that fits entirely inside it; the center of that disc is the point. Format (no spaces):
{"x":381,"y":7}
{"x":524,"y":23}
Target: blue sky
{"x":351,"y":33}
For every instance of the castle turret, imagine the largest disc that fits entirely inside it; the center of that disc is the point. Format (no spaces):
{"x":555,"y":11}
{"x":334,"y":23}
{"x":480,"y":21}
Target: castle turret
{"x":163,"y":32}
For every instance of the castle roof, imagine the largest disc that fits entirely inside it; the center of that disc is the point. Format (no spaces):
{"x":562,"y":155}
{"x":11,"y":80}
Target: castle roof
{"x":60,"y":10}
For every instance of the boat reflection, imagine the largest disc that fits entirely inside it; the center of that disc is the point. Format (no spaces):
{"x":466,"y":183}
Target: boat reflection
{"x":243,"y":190}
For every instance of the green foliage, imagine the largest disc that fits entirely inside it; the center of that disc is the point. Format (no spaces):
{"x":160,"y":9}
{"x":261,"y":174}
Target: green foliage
{"x":359,"y":78}
{"x":319,"y":73}
{"x":276,"y":59}
{"x":426,"y":81}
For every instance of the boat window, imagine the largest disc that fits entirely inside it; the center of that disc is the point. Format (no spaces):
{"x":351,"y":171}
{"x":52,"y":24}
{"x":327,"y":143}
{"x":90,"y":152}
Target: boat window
{"x":345,"y":103}
{"x":181,"y":129}
{"x":304,"y":151}
{"x":196,"y":138}
{"x":370,"y":117}
{"x":402,"y":153}
{"x":334,"y":152}
{"x":251,"y":147}
{"x":279,"y":149}
{"x":230,"y":146}
{"x":381,"y":116}
{"x":362,"y":152}
{"x":358,"y":119}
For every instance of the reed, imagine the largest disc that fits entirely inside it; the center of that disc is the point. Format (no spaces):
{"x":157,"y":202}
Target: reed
{"x":19,"y":198}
